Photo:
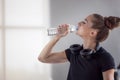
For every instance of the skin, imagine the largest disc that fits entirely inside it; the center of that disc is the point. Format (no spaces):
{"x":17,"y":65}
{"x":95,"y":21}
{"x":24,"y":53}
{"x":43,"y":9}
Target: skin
{"x":88,"y":35}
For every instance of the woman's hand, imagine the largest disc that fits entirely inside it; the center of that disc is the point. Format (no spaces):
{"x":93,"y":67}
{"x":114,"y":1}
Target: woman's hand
{"x":63,"y":30}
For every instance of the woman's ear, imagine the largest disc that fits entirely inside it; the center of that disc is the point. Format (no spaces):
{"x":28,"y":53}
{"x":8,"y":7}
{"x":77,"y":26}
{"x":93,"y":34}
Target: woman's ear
{"x":93,"y":33}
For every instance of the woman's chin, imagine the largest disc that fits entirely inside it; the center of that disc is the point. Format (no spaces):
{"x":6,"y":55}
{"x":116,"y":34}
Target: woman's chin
{"x":78,"y":34}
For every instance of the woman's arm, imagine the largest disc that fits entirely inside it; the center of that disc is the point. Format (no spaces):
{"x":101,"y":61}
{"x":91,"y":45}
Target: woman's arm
{"x":108,"y":75}
{"x":47,"y":56}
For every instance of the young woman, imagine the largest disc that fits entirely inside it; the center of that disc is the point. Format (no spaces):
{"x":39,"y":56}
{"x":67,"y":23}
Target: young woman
{"x":88,"y":61}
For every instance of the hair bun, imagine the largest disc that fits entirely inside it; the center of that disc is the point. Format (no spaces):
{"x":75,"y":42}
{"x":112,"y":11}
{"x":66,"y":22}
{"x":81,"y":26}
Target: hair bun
{"x":111,"y":22}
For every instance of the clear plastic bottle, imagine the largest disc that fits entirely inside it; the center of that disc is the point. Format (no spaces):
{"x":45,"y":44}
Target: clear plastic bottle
{"x":54,"y":31}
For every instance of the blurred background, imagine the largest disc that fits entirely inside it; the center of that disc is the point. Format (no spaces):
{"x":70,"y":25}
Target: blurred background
{"x":23,"y":34}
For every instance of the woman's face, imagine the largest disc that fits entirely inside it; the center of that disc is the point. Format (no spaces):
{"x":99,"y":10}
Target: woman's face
{"x":84,"y":27}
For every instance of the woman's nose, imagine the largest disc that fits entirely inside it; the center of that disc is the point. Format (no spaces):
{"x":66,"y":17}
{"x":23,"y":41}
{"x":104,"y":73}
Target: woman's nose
{"x":79,"y":24}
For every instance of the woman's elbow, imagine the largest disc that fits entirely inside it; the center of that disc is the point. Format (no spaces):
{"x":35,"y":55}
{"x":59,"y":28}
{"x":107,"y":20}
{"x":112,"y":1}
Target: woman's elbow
{"x":41,"y":59}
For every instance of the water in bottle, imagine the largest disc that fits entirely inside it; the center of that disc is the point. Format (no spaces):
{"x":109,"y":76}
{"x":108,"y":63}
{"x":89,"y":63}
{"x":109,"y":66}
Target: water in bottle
{"x":54,"y":31}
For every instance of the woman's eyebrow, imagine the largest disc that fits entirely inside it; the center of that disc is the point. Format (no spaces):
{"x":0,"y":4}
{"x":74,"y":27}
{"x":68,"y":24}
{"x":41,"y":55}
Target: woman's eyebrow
{"x":86,"y":20}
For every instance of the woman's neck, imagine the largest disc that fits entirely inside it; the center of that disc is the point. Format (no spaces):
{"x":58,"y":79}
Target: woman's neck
{"x":89,"y":44}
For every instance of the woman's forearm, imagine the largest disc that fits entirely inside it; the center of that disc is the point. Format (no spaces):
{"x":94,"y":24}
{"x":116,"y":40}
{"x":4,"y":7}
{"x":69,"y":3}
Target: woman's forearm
{"x":48,"y":48}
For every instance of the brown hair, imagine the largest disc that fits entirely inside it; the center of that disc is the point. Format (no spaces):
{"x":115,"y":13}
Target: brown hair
{"x":104,"y":24}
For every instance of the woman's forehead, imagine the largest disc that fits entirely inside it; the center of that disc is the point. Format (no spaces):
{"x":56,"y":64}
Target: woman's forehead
{"x":90,"y":17}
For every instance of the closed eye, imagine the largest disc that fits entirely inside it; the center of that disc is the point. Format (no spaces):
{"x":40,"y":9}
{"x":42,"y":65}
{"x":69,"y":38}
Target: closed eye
{"x":84,"y":22}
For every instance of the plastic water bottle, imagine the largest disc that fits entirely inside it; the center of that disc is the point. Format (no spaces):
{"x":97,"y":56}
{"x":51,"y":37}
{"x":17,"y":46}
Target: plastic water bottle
{"x":54,"y":31}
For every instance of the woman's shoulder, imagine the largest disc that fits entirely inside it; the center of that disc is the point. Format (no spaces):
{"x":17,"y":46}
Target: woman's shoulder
{"x":104,"y":54}
{"x":106,"y":60}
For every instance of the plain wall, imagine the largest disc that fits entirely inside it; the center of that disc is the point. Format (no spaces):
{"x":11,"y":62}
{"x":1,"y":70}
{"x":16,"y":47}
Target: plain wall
{"x":73,"y":11}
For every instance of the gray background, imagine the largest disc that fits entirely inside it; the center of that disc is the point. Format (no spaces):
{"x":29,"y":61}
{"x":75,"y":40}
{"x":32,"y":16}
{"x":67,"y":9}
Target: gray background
{"x":73,"y":11}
